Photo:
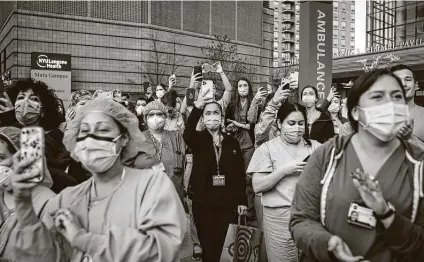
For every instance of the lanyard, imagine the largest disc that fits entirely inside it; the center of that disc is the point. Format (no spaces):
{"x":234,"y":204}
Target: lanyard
{"x":217,"y":156}
{"x":158,"y":145}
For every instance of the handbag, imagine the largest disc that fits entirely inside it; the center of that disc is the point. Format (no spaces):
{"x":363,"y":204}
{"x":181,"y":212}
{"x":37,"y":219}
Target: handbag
{"x":242,"y":243}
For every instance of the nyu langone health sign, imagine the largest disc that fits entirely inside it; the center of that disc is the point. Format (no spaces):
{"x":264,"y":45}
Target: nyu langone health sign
{"x":47,"y":61}
{"x":55,"y":71}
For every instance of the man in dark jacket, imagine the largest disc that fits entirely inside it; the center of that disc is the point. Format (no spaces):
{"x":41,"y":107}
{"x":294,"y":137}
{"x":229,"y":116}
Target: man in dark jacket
{"x":217,"y":190}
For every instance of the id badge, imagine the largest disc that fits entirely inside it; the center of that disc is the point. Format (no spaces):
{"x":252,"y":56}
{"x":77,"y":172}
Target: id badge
{"x":159,"y":167}
{"x":362,"y":216}
{"x":218,"y":180}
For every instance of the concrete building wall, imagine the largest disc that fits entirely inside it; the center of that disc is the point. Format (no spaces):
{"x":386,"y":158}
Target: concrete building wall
{"x":105,"y":49}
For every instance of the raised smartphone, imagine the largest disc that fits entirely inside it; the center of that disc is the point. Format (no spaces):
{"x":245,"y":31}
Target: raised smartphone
{"x":32,"y":147}
{"x":190,"y":96}
{"x":197,"y":70}
{"x":207,"y":85}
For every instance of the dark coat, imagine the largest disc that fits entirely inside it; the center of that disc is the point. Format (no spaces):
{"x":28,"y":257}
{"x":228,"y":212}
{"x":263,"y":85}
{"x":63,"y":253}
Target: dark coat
{"x":231,"y":165}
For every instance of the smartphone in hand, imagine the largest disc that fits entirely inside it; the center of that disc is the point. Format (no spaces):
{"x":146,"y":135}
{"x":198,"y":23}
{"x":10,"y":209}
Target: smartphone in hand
{"x":207,"y":89}
{"x":32,"y":147}
{"x":146,"y":86}
{"x":197,"y":70}
{"x":190,"y":96}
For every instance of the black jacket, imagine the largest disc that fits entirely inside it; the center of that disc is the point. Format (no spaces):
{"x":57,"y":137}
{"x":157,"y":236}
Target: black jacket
{"x":231,"y":165}
{"x":322,"y":129}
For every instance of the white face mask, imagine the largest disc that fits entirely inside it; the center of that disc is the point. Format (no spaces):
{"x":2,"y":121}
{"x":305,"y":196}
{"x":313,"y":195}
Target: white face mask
{"x":212,"y":122}
{"x":139,"y":110}
{"x":97,"y":154}
{"x":160,"y":93}
{"x":293,"y":134}
{"x":385,"y":121}
{"x":334,"y":108}
{"x":155,"y":122}
{"x":309,"y":100}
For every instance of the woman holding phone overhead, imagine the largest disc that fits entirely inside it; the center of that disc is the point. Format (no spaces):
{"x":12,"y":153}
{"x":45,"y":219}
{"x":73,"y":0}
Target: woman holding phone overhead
{"x":120,"y":214}
{"x":276,"y":166}
{"x":360,"y":197}
{"x":9,"y":145}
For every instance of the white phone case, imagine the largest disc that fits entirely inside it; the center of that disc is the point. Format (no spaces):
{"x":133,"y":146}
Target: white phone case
{"x":207,"y":85}
{"x":32,"y":146}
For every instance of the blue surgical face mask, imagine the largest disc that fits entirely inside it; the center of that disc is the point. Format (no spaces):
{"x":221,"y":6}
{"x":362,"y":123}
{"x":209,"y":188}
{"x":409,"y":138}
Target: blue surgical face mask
{"x":97,"y":154}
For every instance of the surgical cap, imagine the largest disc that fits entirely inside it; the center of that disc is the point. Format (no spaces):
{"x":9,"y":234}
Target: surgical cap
{"x":154,"y":105}
{"x":11,"y":135}
{"x":116,"y":111}
{"x":80,"y":95}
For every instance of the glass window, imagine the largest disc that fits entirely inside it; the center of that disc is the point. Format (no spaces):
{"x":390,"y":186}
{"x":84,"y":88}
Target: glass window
{"x":352,"y":44}
{"x":352,"y":34}
{"x":343,"y":50}
{"x":352,"y":26}
{"x":343,"y":33}
{"x":410,"y":13}
{"x":335,"y":42}
{"x":352,"y":16}
{"x":410,"y":29}
{"x":275,"y":34}
{"x":335,"y":32}
{"x":335,"y":4}
{"x":297,"y":46}
{"x":275,"y":2}
{"x":275,"y":64}
{"x":343,"y":5}
{"x":343,"y":42}
{"x":335,"y":50}
{"x":335,"y":23}
{"x":297,"y":8}
{"x":275,"y":44}
{"x":352,"y":7}
{"x":275,"y":54}
{"x":336,"y":14}
{"x":297,"y":28}
{"x":343,"y":24}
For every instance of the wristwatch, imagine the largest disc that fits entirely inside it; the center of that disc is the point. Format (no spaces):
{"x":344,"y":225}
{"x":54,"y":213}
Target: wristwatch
{"x":390,"y":212}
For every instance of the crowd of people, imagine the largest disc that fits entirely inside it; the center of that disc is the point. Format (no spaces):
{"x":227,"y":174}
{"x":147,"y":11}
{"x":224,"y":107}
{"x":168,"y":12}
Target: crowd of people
{"x":334,"y":180}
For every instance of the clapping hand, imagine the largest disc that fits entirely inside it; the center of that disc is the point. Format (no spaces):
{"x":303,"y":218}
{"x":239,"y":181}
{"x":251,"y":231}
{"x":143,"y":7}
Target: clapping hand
{"x":370,"y":191}
{"x":406,"y":131}
{"x":66,"y":223}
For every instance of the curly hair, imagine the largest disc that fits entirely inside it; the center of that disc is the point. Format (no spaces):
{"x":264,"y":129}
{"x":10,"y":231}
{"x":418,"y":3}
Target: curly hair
{"x":48,"y":98}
